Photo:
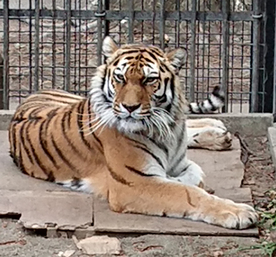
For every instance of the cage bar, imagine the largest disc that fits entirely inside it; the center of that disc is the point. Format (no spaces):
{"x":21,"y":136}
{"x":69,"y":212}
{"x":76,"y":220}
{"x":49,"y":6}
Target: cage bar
{"x":100,"y":14}
{"x":255,"y":56}
{"x":162,"y":24}
{"x":131,"y":21}
{"x":192,"y":52}
{"x":225,"y":53}
{"x":68,"y":45}
{"x":36,"y":46}
{"x":5,"y":104}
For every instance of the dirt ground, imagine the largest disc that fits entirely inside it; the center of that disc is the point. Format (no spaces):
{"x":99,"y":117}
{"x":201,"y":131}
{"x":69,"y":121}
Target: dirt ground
{"x":259,"y":175}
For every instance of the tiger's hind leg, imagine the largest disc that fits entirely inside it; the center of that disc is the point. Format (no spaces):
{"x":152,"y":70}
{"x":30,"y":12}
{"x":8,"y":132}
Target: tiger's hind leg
{"x":76,"y":184}
{"x":209,"y":137}
{"x":205,"y":122}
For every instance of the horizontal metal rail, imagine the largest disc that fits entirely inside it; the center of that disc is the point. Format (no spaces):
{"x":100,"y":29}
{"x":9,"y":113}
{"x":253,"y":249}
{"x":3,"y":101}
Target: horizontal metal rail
{"x":139,"y":15}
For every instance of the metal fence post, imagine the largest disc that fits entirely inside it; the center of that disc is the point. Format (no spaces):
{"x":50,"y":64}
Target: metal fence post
{"x":225,"y":51}
{"x":1,"y":83}
{"x":6,"y":56}
{"x":192,"y":53}
{"x":265,"y":103}
{"x":131,"y":21}
{"x":68,"y":45}
{"x":99,"y":15}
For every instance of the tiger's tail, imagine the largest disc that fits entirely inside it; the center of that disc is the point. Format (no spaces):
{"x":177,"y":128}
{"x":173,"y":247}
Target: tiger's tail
{"x":214,"y":102}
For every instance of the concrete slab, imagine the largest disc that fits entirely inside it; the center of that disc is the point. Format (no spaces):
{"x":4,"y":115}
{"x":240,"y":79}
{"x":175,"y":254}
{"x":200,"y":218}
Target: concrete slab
{"x":272,"y":143}
{"x":223,"y":170}
{"x":38,"y":210}
{"x":46,"y":205}
{"x":106,"y":220}
{"x":219,"y":168}
{"x":241,"y":122}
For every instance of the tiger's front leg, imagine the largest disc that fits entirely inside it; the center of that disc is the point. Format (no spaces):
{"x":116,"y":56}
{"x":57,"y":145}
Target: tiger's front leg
{"x":137,"y":186}
{"x":157,"y":196}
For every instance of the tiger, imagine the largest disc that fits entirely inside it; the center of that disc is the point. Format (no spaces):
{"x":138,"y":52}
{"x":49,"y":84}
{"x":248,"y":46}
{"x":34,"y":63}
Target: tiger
{"x":126,"y":141}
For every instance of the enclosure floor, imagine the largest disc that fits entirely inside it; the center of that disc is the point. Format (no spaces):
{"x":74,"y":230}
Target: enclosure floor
{"x":44,"y":205}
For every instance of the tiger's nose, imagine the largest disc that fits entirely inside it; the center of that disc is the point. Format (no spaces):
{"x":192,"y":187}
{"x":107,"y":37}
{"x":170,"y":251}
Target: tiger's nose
{"x":131,"y":108}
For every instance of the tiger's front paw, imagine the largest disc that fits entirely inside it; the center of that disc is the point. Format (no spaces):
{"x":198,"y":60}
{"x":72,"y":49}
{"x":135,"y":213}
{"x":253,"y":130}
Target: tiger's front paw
{"x":237,"y":216}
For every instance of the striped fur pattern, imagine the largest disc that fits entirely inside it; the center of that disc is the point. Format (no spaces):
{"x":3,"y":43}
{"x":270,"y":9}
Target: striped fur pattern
{"x":126,"y":142}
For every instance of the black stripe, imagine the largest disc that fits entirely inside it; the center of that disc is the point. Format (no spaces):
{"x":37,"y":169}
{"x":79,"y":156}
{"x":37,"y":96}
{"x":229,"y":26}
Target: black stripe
{"x":138,"y":172}
{"x":80,"y":110}
{"x":211,"y":103}
{"x":117,"y":177}
{"x":172,"y":87}
{"x":43,"y":142}
{"x":90,"y":125}
{"x":13,"y":124}
{"x":179,"y":159}
{"x":36,"y":157}
{"x":64,"y":94}
{"x":182,"y":135}
{"x":51,"y":177}
{"x":20,"y":161}
{"x":152,"y":55}
{"x":67,"y":138}
{"x":160,"y":145}
{"x":156,"y":52}
{"x":69,"y":113}
{"x":216,"y":93}
{"x":158,"y":160}
{"x":22,"y":140}
{"x":61,"y":155}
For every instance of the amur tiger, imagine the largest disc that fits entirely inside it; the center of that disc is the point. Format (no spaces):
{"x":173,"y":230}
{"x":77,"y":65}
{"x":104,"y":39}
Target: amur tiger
{"x":127,"y":141}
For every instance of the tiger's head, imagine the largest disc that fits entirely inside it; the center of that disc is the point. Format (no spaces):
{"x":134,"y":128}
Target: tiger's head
{"x":138,"y":88}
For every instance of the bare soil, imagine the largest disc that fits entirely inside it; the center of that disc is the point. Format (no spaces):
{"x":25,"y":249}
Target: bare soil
{"x":259,"y":176}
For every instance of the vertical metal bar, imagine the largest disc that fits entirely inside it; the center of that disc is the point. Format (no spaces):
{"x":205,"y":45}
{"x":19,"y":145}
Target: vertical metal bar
{"x":177,"y":40}
{"x":6,"y":56}
{"x":131,"y":21}
{"x":30,"y":49}
{"x":192,"y":53}
{"x":255,"y":56}
{"x":225,"y":50}
{"x":274,"y":84}
{"x":100,"y":33}
{"x":54,"y":45}
{"x":68,"y":45}
{"x":162,"y":23}
{"x":36,"y":49}
{"x":106,"y":22}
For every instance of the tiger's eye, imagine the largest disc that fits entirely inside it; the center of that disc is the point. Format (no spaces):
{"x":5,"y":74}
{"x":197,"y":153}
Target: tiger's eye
{"x":119,"y":78}
{"x":150,"y":80}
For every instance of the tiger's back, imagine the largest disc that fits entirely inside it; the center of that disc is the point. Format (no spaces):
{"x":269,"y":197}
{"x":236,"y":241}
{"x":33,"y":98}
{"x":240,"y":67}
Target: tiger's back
{"x":48,"y":139}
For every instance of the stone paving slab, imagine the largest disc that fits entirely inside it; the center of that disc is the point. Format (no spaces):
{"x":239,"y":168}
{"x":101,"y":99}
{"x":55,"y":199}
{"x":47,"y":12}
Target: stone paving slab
{"x":62,"y":210}
{"x":46,"y":205}
{"x":106,"y":220}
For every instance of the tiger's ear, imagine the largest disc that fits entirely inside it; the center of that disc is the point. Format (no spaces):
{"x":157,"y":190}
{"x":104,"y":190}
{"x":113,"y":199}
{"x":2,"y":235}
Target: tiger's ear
{"x":177,"y":58}
{"x":109,"y":47}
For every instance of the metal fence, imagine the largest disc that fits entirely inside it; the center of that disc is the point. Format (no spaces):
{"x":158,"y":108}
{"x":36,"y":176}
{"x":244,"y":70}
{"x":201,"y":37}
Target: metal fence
{"x":57,"y":44}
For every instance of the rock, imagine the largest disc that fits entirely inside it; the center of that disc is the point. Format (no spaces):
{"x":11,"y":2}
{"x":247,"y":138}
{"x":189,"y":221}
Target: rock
{"x":273,"y":236}
{"x":67,"y":253}
{"x":100,"y":245}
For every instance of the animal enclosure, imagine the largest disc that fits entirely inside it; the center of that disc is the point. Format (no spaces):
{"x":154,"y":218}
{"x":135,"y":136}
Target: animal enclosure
{"x":57,"y":44}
